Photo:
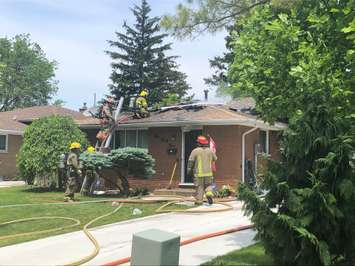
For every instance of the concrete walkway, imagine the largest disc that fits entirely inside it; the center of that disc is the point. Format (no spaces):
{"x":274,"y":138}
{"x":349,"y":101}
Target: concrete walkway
{"x":11,"y":183}
{"x":115,"y":240}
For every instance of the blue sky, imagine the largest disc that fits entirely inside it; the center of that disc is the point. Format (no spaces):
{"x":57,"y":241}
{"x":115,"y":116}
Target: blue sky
{"x":74,"y":33}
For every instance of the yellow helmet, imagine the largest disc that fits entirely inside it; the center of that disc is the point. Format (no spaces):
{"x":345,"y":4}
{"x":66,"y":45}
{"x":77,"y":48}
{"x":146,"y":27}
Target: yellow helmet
{"x":90,"y":149}
{"x":144,"y":93}
{"x":209,"y":194}
{"x":75,"y":145}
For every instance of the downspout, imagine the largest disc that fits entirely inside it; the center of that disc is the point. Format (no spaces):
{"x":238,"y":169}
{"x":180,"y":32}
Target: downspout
{"x":243,"y":150}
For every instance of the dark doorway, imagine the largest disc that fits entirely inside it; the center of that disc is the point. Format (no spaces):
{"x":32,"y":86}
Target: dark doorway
{"x":190,"y":144}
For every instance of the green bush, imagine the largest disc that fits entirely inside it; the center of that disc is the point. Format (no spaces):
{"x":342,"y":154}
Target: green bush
{"x":137,"y":162}
{"x":225,"y":191}
{"x":125,"y":162}
{"x":44,"y":141}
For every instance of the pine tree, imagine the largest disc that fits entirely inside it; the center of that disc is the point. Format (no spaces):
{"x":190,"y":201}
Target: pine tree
{"x":141,"y":61}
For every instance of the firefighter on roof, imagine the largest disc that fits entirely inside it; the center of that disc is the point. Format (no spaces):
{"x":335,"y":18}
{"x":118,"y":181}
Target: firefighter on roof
{"x":141,"y":104}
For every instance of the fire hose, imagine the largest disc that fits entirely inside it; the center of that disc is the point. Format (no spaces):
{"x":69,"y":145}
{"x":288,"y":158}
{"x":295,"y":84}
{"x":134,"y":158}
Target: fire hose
{"x":168,"y":199}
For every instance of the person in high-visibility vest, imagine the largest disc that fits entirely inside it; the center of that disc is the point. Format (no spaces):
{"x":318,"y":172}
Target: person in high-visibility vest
{"x":200,"y":165}
{"x":141,"y":104}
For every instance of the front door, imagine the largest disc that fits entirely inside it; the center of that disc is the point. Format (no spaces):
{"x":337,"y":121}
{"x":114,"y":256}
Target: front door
{"x":190,"y":144}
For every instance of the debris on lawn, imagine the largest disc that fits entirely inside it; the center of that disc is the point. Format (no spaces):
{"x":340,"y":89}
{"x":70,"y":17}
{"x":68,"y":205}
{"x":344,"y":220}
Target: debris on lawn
{"x":136,"y":211}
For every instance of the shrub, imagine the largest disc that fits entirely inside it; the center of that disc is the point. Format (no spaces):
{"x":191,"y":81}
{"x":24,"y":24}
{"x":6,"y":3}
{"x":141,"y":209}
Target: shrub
{"x":44,"y":141}
{"x":225,"y":191}
{"x":125,"y":162}
{"x":308,"y":214}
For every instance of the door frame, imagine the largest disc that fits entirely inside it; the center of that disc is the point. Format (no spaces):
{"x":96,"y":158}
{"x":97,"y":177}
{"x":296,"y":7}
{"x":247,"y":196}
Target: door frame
{"x":184,"y":130}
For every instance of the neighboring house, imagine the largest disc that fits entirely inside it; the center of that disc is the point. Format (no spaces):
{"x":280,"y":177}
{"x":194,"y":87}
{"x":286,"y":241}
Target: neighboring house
{"x":13,"y":124}
{"x":170,"y":135}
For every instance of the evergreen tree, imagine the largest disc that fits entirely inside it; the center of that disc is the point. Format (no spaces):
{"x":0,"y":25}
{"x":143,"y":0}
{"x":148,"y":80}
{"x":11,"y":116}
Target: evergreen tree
{"x":141,"y":61}
{"x":298,"y":64}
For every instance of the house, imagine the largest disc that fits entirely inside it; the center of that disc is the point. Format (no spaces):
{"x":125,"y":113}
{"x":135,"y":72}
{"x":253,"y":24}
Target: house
{"x":170,"y":135}
{"x":13,"y":124}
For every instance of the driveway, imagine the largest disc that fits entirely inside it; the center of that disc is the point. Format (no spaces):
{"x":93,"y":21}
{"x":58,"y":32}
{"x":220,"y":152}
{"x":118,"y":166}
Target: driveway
{"x":115,"y":239}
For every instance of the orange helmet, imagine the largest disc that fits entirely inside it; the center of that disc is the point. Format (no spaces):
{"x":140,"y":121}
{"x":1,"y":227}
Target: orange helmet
{"x":202,"y":140}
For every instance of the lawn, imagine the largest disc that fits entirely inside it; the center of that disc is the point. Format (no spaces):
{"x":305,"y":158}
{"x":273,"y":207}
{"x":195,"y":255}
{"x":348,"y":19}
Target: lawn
{"x":83,"y":212}
{"x":252,"y":255}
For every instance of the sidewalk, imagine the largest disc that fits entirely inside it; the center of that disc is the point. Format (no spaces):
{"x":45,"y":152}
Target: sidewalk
{"x":115,"y":240}
{"x":11,"y":183}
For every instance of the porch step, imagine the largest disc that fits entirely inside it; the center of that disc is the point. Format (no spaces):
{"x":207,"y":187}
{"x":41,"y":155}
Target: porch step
{"x":185,"y":192}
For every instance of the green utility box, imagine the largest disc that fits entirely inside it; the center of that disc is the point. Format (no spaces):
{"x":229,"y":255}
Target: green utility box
{"x":155,"y":247}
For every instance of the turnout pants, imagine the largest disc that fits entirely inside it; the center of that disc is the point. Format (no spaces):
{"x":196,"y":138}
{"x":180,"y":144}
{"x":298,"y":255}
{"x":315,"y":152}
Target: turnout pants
{"x":71,"y":186}
{"x":203,"y":184}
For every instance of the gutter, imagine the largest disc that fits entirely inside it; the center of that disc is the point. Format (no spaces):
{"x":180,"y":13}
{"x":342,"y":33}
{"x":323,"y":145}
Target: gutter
{"x":255,"y":123}
{"x":11,"y":132}
{"x":244,"y":149}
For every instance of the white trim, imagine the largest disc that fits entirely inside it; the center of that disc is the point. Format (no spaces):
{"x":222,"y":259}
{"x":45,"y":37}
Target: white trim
{"x":244,"y":149}
{"x":182,"y":155}
{"x":254,"y":123}
{"x":6,"y":143}
{"x":186,"y":184}
{"x":11,"y":132}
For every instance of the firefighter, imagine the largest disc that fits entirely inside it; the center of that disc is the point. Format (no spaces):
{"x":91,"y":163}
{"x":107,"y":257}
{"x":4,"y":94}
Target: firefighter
{"x":90,"y":176}
{"x":107,"y":121}
{"x":107,"y":110}
{"x":142,"y":104}
{"x":200,"y":165}
{"x":73,"y":171}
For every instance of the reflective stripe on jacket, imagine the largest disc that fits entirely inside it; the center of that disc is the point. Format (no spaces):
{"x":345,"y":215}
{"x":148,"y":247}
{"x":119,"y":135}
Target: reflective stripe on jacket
{"x":202,"y":158}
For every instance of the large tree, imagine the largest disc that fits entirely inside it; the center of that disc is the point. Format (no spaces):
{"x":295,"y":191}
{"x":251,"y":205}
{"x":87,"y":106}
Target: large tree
{"x":141,"y":61}
{"x":200,"y":16}
{"x":220,"y":64}
{"x":26,"y":75}
{"x":298,"y":64}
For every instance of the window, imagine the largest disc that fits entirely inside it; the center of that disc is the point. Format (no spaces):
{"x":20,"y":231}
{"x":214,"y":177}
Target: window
{"x":131,"y":138}
{"x":263,"y":141}
{"x":3,"y":143}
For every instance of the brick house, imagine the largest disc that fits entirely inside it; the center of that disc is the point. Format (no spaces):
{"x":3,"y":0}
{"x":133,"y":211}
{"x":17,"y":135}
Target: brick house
{"x":169,"y":135}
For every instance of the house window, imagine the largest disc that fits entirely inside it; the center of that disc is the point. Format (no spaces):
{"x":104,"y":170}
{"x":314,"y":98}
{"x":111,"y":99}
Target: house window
{"x":263,"y":141}
{"x":132,"y":138}
{"x":3,"y":143}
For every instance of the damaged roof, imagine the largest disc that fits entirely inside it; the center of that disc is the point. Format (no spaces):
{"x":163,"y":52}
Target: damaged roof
{"x":237,"y":112}
{"x":199,"y":114}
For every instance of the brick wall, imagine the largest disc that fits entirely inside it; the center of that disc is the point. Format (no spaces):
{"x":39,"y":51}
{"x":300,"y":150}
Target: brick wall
{"x":229,"y":152}
{"x":160,"y":140}
{"x":228,"y":142}
{"x":8,"y":167}
{"x":275,"y":145}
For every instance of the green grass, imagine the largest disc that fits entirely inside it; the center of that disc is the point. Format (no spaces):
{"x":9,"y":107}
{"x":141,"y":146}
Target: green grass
{"x":83,"y":212}
{"x":252,"y":255}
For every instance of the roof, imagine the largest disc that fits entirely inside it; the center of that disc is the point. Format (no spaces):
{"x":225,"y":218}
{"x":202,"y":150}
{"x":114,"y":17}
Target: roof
{"x":15,"y":122}
{"x":200,"y":114}
{"x":243,"y":103}
{"x":234,"y":113}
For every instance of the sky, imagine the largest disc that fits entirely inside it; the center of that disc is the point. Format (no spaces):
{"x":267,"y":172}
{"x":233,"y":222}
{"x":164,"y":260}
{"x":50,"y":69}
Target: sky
{"x":75,"y":32}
